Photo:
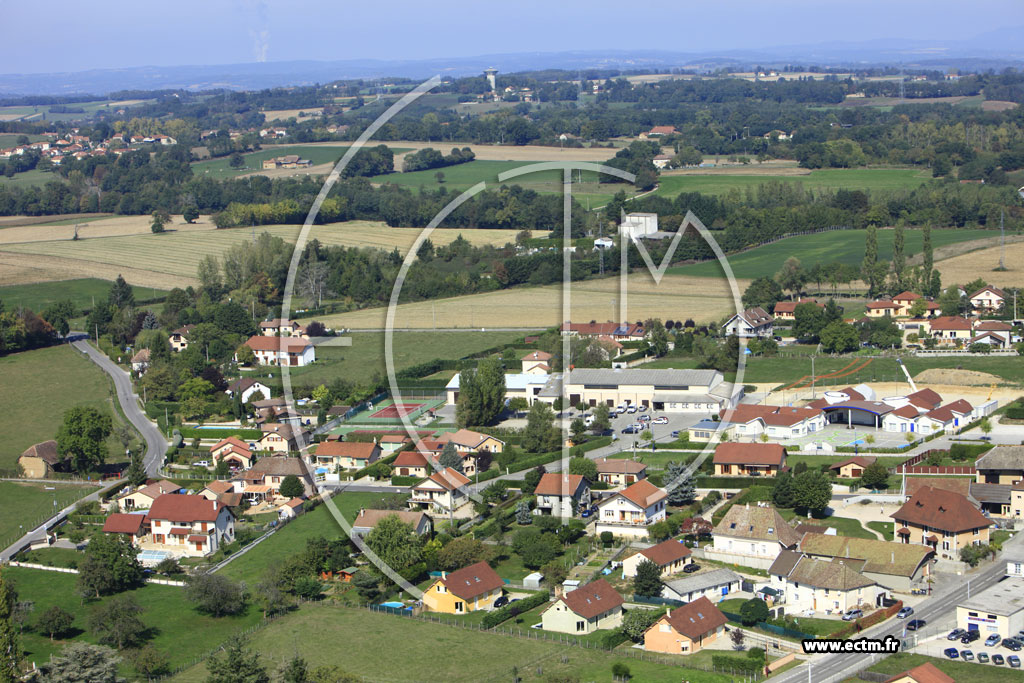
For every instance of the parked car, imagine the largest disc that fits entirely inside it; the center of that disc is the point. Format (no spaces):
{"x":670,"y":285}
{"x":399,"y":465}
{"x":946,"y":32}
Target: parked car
{"x":1014,"y":661}
{"x":644,"y":418}
{"x":951,"y":653}
{"x":633,"y":429}
{"x":662,"y":420}
{"x":852,"y":614}
{"x":201,"y":463}
{"x":675,"y":434}
{"x":586,"y":513}
{"x":1011,"y":644}
{"x":983,"y":657}
{"x":956,"y":634}
{"x":642,"y":409}
{"x":905,"y":612}
{"x":916,"y":624}
{"x":631,"y":410}
{"x":970,"y":636}
{"x":691,"y":568}
{"x":501,"y":602}
{"x":998,"y":660}
{"x":992,"y":640}
{"x":967,"y":655}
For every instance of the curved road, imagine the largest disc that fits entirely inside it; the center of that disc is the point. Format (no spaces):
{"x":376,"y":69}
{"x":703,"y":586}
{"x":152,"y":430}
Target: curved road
{"x":156,"y":444}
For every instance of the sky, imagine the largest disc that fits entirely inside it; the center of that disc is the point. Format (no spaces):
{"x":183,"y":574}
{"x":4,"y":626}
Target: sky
{"x":129,"y":33}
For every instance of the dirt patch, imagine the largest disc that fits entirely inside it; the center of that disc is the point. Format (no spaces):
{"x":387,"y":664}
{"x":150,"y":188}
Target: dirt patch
{"x":967,"y":378}
{"x":997,"y":105}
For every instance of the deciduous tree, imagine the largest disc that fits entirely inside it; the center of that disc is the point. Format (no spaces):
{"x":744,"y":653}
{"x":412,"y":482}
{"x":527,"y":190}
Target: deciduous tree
{"x":81,"y":438}
{"x":647,"y":581}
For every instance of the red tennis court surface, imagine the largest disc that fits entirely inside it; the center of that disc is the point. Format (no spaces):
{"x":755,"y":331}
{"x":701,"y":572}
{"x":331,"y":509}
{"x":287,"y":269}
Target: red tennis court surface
{"x":397,"y":410}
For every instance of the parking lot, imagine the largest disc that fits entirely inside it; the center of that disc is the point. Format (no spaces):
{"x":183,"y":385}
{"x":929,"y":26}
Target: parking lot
{"x":934,"y":643}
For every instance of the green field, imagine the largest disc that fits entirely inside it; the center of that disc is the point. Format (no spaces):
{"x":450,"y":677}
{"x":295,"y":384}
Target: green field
{"x":958,"y":671}
{"x":38,"y":387}
{"x":220,"y":168}
{"x":384,"y":647}
{"x":821,"y":179}
{"x":23,"y":506}
{"x":11,"y":139}
{"x":292,"y":538}
{"x":846,"y":246}
{"x":462,"y":176}
{"x":359,"y":362}
{"x":33,"y":178}
{"x":84,"y":293}
{"x":179,"y":631}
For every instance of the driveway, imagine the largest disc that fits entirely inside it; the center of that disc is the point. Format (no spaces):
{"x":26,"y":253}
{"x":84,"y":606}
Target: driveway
{"x":156,"y":444}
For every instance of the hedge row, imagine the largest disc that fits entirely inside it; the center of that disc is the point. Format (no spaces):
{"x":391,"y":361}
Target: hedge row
{"x":513,"y":609}
{"x":405,"y":481}
{"x":244,"y":434}
{"x":747,"y":665}
{"x":874,"y":618}
{"x":706,"y":482}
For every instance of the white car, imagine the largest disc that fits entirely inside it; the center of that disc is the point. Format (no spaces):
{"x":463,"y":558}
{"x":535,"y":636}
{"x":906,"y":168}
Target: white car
{"x":643,"y":409}
{"x":620,"y":409}
{"x":201,"y":463}
{"x":660,"y":420}
{"x":588,"y":420}
{"x":631,"y":410}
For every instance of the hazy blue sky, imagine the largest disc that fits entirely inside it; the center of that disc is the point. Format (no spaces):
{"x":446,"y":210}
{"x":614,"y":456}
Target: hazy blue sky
{"x":121,"y":33}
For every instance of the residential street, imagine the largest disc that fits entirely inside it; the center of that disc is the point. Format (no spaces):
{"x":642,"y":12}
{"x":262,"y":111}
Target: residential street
{"x":156,"y":444}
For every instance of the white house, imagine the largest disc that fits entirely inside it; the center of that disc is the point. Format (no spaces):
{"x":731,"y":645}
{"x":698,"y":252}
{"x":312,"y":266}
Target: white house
{"x":833,"y":587}
{"x":778,"y":422}
{"x":752,"y":536}
{"x":560,"y":494}
{"x":988,"y":298}
{"x":630,"y":511}
{"x":637,"y":225}
{"x":443,"y":493}
{"x":671,"y":556}
{"x":587,"y":609}
{"x":248,"y":386}
{"x":281,"y":351}
{"x":188,"y":526}
{"x":713,"y":585}
{"x":753,"y":323}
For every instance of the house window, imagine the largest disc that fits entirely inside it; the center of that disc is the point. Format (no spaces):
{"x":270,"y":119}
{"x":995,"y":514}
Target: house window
{"x":581,"y":625}
{"x":459,"y":607}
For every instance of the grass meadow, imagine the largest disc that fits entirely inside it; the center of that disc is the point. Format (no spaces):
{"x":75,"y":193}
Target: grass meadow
{"x":717,"y":183}
{"x":24,"y":505}
{"x":220,"y":168}
{"x":83,"y":293}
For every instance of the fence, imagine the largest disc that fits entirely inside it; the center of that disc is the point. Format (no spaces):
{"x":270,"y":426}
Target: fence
{"x":772,"y":628}
{"x":69,"y":570}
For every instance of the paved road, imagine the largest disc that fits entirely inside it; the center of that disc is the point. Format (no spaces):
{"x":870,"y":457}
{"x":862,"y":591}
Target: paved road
{"x":941,"y":605}
{"x":156,"y":444}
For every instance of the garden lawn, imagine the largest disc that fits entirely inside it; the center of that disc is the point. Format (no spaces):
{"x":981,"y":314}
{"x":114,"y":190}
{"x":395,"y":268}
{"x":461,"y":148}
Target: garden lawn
{"x":24,"y":506}
{"x":846,"y":246}
{"x":179,"y":631}
{"x":814,"y":462}
{"x":314,"y":632}
{"x":659,"y":459}
{"x":38,"y":387}
{"x":84,"y":293}
{"x":959,"y":671}
{"x":847,"y":179}
{"x":844,"y":526}
{"x":887,"y":529}
{"x":292,"y":538}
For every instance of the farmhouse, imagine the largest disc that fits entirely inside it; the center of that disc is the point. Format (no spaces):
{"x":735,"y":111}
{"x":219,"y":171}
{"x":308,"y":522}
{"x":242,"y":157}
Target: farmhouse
{"x":749,"y":460}
{"x":248,"y":388}
{"x":619,"y":472}
{"x":630,"y":511}
{"x":366,"y":520}
{"x":712,"y":585}
{"x":942,"y":520}
{"x":754,"y":536}
{"x":1001,"y":465}
{"x":281,"y":351}
{"x":561,"y":494}
{"x":687,"y":629}
{"x":896,"y":566}
{"x":346,"y":455}
{"x":588,"y":608}
{"x":287,"y":161}
{"x":832,"y":587}
{"x":753,"y":323}
{"x":988,"y":299}
{"x":997,"y":609}
{"x":189,"y":526}
{"x":670,"y":556}
{"x":616,"y":331}
{"x":473,"y":588}
{"x":40,"y":460}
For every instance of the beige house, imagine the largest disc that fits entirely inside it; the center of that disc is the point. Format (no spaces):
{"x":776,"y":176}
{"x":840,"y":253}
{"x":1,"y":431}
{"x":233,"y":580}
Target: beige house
{"x":687,"y":629}
{"x":40,"y":460}
{"x":347,"y":455}
{"x":670,"y":556}
{"x":988,"y":298}
{"x":944,"y":521}
{"x":589,"y":608}
{"x":188,"y":526}
{"x":179,"y":338}
{"x":468,"y":444}
{"x":620,"y":472}
{"x":561,"y":494}
{"x":411,"y":464}
{"x":443,"y":493}
{"x":143,"y":497}
{"x":537,"y":362}
{"x":752,"y":536}
{"x":1001,"y":465}
{"x":749,"y":459}
{"x":832,"y":587}
{"x":852,"y":468}
{"x":280,"y":438}
{"x":895,"y":566}
{"x":630,"y":511}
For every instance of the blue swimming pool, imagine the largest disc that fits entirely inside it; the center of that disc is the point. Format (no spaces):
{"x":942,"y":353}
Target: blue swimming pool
{"x":393,"y":605}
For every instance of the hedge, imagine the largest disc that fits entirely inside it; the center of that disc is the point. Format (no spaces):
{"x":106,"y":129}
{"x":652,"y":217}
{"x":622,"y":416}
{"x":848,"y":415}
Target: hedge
{"x":747,"y":665}
{"x":706,"y":482}
{"x":1015,"y":412}
{"x":505,"y":613}
{"x":405,"y":481}
{"x":244,"y":434}
{"x":612,"y":639}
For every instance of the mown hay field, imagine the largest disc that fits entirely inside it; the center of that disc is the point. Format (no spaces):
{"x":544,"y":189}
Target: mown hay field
{"x":171,"y":259}
{"x":982,"y":263}
{"x":677,"y":297}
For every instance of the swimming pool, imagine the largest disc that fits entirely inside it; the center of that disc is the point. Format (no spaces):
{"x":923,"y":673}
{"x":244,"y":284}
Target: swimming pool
{"x":393,"y":605}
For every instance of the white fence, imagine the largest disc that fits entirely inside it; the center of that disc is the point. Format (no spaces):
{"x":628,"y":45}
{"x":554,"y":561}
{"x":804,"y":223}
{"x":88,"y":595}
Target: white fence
{"x":69,"y":570}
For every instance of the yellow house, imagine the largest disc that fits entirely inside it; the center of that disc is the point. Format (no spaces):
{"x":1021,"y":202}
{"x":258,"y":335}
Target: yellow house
{"x":472,"y":588}
{"x":585,"y":610}
{"x":852,"y":468}
{"x":942,"y":520}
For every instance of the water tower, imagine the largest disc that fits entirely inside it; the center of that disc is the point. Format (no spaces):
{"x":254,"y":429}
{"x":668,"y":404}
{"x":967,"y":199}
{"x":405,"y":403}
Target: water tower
{"x":490,"y":74}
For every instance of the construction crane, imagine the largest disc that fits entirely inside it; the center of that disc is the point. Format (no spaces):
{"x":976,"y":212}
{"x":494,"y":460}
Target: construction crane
{"x":991,"y":389}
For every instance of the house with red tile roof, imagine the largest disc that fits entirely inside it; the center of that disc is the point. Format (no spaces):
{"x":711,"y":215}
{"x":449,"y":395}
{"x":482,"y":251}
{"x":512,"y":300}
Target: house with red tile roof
{"x":687,"y":629}
{"x":281,"y":351}
{"x":346,"y":455}
{"x":561,"y":494}
{"x":442,"y":493}
{"x":988,"y":298}
{"x":670,"y":556}
{"x":188,"y":526}
{"x":946,"y":418}
{"x":411,"y":464}
{"x":658,"y":131}
{"x":584,"y":610}
{"x":470,"y":589}
{"x":536,"y":359}
{"x":923,"y":673}
{"x":131,"y":525}
{"x":852,"y":468}
{"x":786,"y":310}
{"x":620,"y":471}
{"x":630,"y":511}
{"x":951,"y":330}
{"x":942,"y":520}
{"x":749,"y":459}
{"x":778,"y":422}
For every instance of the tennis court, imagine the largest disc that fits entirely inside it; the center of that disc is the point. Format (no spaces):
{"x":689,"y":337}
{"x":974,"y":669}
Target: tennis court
{"x":397,"y":410}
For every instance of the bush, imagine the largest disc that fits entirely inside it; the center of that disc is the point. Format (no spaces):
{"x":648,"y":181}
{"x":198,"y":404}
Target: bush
{"x":505,"y":613}
{"x":753,"y":611}
{"x":744,"y":665}
{"x":607,"y":538}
